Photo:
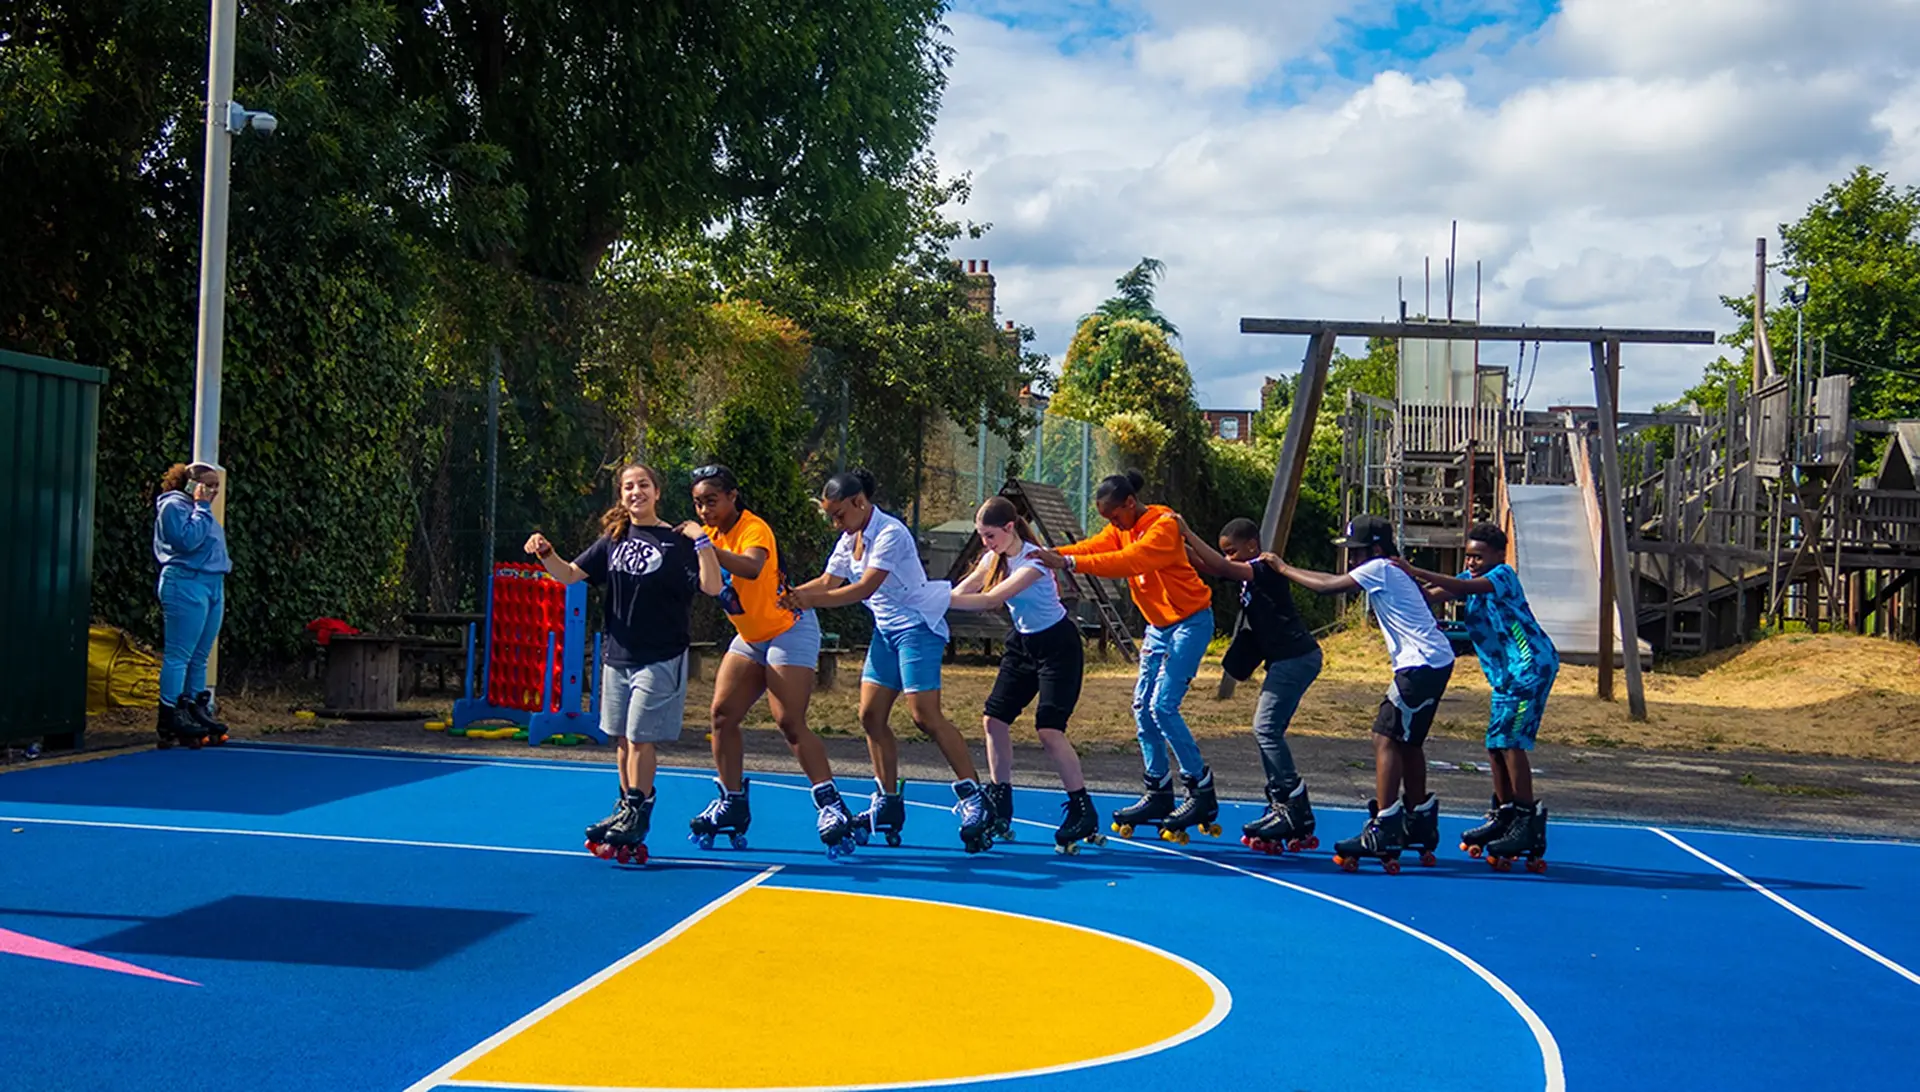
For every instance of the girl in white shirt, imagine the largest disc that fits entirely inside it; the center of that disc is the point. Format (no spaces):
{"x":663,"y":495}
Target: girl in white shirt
{"x":1044,"y":658}
{"x":877,"y":562}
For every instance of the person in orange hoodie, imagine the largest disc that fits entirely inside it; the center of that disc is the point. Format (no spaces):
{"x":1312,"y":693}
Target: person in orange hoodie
{"x":1143,"y":544}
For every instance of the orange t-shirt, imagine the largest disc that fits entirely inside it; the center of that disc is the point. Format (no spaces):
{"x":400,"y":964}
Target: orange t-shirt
{"x":759,"y":616}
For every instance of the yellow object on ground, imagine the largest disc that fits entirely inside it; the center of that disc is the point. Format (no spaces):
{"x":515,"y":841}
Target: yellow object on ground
{"x":119,"y":672}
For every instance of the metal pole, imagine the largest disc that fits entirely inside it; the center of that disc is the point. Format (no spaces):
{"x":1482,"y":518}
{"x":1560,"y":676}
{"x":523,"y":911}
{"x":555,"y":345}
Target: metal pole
{"x":1086,"y":469}
{"x":213,"y":234}
{"x":980,"y":463}
{"x":487,"y":530}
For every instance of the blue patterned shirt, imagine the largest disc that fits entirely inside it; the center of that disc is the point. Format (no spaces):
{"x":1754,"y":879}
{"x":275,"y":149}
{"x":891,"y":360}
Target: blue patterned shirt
{"x":1514,"y":651}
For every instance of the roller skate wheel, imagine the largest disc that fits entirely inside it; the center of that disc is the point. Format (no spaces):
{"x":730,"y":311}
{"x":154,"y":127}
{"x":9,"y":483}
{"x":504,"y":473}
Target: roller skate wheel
{"x":1427,"y":859}
{"x":1247,"y":840}
{"x":705,"y":841}
{"x":860,"y":835}
{"x":1476,"y":852}
{"x":622,"y":854}
{"x":1070,"y":849}
{"x":1211,"y":830}
{"x":1500,"y":864}
{"x":1392,"y":866}
{"x":1347,"y":864}
{"x":1004,"y":834}
{"x":739,"y":841}
{"x":893,"y":839}
{"x":1123,"y":830}
{"x":1536,"y":865}
{"x":1097,"y":839}
{"x":1310,"y":843}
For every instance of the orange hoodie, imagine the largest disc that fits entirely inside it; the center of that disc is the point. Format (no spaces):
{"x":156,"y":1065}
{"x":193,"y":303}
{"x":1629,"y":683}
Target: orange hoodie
{"x":1152,"y":555}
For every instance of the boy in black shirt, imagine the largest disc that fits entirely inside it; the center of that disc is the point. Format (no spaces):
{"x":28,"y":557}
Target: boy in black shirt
{"x":1270,"y":632}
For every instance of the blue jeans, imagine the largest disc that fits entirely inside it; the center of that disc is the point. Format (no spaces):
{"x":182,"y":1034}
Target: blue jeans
{"x":1169,"y":659}
{"x":193,"y":604}
{"x":1286,"y":683}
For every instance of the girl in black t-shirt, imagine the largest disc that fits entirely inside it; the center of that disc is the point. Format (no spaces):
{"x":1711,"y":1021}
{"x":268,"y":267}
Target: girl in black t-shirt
{"x":651,"y":570}
{"x":1272,"y":633}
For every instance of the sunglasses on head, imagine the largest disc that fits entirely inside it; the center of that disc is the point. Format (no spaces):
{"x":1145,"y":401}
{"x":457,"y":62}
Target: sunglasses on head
{"x":706,"y":472}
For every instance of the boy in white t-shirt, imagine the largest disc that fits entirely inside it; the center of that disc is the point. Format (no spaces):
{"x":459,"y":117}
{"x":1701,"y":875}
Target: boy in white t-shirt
{"x":1422,"y":664}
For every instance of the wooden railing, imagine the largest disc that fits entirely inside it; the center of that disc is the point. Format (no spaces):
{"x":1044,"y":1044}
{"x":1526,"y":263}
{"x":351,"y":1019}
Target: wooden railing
{"x":1439,"y":429}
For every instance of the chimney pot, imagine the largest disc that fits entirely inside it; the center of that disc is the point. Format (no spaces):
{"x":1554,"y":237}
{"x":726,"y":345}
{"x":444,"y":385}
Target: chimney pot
{"x":971,"y":265}
{"x":983,"y":265}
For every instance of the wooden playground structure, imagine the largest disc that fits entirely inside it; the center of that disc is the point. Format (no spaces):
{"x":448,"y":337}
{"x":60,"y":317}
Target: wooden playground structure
{"x":1687,"y":531}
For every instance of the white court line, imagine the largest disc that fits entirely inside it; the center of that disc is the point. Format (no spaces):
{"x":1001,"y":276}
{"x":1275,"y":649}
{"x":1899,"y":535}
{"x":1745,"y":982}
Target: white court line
{"x":554,"y":764}
{"x":307,"y":837}
{"x":1797,"y":912}
{"x":1222,"y":1004}
{"x":438,"y":1077}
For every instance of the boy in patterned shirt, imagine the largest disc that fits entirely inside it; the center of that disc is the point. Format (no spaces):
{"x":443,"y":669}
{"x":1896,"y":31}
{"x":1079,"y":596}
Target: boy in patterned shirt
{"x":1520,"y":664}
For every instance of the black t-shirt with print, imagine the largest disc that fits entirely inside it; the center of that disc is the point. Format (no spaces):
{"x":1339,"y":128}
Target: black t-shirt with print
{"x":651,"y":577}
{"x":1267,"y":601}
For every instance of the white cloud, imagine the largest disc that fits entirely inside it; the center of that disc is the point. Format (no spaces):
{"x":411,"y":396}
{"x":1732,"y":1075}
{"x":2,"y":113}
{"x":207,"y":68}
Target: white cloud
{"x":1613,"y":168}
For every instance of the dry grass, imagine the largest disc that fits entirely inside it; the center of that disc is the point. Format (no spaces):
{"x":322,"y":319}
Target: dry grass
{"x":1820,"y":695}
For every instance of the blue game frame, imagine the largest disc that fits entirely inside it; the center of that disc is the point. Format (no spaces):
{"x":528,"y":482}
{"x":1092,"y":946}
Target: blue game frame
{"x":579,"y":712}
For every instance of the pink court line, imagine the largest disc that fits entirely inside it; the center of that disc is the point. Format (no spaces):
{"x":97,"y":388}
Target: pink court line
{"x":20,"y":944}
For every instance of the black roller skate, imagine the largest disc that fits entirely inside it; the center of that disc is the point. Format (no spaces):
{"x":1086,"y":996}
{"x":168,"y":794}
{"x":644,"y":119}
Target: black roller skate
{"x":1423,"y":828}
{"x":626,"y":840}
{"x":187,"y":730}
{"x":1197,"y":811}
{"x":1383,"y":837}
{"x":1152,"y":809}
{"x":1527,"y":837}
{"x":200,"y":708}
{"x":1079,"y":823}
{"x":1000,"y":800}
{"x":836,"y":824}
{"x":1499,"y":818}
{"x":597,"y":833}
{"x":727,"y":814}
{"x":1287,"y":826}
{"x":166,"y":726}
{"x":886,"y":815}
{"x":976,"y":815}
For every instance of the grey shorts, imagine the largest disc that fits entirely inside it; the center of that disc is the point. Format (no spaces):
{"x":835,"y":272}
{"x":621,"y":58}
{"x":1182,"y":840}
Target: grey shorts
{"x":797,"y":647}
{"x":645,"y":704}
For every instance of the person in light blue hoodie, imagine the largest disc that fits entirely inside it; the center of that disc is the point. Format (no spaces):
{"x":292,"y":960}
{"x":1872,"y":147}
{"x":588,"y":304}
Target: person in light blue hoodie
{"x":191,"y":547}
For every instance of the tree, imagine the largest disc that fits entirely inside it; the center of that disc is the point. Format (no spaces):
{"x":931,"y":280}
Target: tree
{"x":1858,"y":249}
{"x":1135,"y":299}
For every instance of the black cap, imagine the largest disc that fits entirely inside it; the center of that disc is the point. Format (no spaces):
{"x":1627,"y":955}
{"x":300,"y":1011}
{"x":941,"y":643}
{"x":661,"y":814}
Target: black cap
{"x":1366,"y":532}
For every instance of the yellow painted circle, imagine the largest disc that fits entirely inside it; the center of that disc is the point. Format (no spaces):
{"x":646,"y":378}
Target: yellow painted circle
{"x":789,"y":988}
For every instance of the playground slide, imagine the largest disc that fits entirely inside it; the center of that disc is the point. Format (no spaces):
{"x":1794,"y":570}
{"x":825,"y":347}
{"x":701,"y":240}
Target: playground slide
{"x":1556,"y":552}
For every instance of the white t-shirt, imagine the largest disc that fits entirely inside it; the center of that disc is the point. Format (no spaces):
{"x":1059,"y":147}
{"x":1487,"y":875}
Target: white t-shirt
{"x":906,"y":598}
{"x":1037,"y":606}
{"x":1413,"y":637}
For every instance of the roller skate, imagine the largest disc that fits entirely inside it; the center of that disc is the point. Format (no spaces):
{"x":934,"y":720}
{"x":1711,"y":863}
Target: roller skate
{"x":1079,"y":823}
{"x":1287,"y":826}
{"x":1383,"y":837}
{"x":187,"y":731}
{"x":1000,"y":799}
{"x":626,"y":840}
{"x":1197,"y":811}
{"x":166,"y":727}
{"x":597,"y":833}
{"x":976,"y":815}
{"x":200,"y":709}
{"x":1527,"y":837}
{"x":1423,"y":828}
{"x":1153,"y":807}
{"x":836,"y":825}
{"x":886,"y":814}
{"x":1499,"y":817}
{"x":727,"y":814}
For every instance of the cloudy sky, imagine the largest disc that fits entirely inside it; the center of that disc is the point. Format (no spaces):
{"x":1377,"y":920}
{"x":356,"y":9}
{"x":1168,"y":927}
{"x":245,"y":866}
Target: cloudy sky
{"x":1610,"y":162}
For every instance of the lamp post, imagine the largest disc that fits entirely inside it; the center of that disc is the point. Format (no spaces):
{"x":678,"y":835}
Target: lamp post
{"x":224,"y":119}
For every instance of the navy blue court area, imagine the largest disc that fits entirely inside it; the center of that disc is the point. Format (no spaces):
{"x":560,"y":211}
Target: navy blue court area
{"x":270,"y":918}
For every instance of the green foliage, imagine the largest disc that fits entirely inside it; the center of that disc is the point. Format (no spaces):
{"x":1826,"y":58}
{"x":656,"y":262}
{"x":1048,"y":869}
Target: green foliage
{"x":1135,"y":299}
{"x":1857,"y":248}
{"x":1141,"y":439}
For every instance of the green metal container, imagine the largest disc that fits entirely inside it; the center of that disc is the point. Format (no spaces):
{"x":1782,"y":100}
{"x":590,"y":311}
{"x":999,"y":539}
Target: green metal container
{"x":49,"y":422}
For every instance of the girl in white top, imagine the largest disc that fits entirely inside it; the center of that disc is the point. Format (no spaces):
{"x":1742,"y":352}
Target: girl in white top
{"x":877,"y":562}
{"x":1044,"y":658}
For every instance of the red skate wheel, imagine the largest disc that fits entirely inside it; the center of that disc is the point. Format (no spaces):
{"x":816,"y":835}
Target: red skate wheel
{"x":1536,"y":865}
{"x":1347,"y":864}
{"x":1392,"y":867}
{"x":1476,"y":852}
{"x":1247,"y":841}
{"x":1310,"y":843}
{"x":1427,"y":860}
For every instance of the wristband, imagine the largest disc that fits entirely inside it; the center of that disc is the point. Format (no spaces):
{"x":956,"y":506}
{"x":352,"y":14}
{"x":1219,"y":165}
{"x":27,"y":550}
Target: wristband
{"x":1070,"y":565}
{"x":702,"y":542}
{"x":545,"y":554}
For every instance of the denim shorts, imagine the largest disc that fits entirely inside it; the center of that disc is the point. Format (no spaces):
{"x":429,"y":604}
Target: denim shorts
{"x":797,"y":647}
{"x":906,"y":660}
{"x":645,"y":704}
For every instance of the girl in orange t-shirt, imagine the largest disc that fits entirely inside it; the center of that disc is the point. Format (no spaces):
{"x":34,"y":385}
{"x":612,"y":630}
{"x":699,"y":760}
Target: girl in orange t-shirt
{"x":775,"y":653}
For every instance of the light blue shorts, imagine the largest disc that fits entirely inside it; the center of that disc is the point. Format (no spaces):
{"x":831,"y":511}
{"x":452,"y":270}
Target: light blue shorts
{"x":905,"y":660}
{"x":797,"y":647}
